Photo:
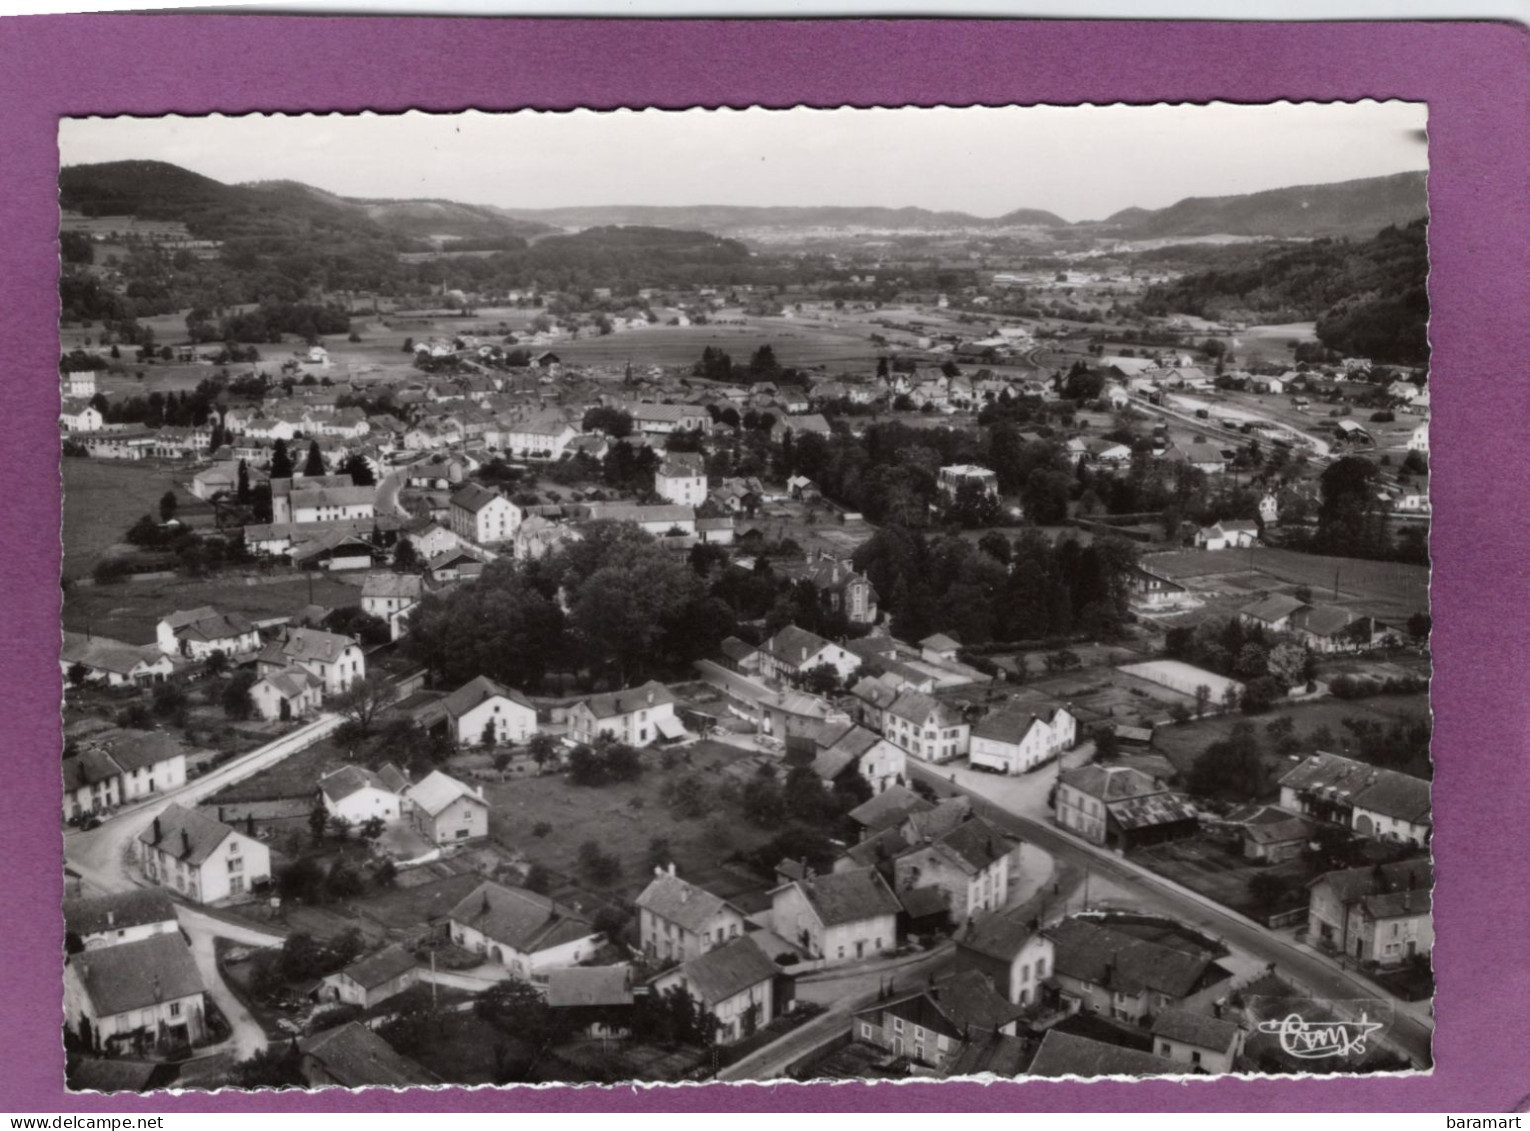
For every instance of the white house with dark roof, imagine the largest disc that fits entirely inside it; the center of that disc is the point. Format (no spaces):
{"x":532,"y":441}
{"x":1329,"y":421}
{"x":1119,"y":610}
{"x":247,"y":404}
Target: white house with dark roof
{"x":150,"y":761}
{"x":852,"y":749}
{"x":659,"y":520}
{"x":1013,"y":741}
{"x":1373,"y":801}
{"x":482,"y":515}
{"x":198,"y":633}
{"x":638,"y":716}
{"x":1378,"y":913}
{"x":287,"y":693}
{"x":734,"y":983}
{"x":793,"y":651}
{"x":678,"y":921}
{"x":357,"y":794}
{"x":1012,"y":953}
{"x":681,"y":479}
{"x":1229,"y":534}
{"x":335,"y":660}
{"x":968,"y":865}
{"x":522,"y":931}
{"x":1121,"y":807}
{"x":92,"y":783}
{"x":121,"y":917}
{"x":201,"y":857}
{"x":840,"y":917}
{"x":373,"y":979}
{"x":483,"y":711}
{"x":1199,"y":1041}
{"x":445,"y":811}
{"x":926,"y":727}
{"x":138,"y":998}
{"x":111,"y":662}
{"x":331,"y":504}
{"x":1130,"y":967}
{"x":392,"y":597}
{"x":80,"y":416}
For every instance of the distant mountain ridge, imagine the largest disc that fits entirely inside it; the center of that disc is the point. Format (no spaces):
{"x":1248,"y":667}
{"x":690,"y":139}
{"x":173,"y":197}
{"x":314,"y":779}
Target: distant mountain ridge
{"x":159,"y":190}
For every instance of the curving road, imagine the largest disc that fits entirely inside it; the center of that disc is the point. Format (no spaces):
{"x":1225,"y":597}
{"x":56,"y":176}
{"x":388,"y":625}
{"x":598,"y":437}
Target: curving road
{"x":1410,"y":1031}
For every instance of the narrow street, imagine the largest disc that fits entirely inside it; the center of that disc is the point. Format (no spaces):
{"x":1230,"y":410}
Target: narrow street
{"x":247,"y":1038}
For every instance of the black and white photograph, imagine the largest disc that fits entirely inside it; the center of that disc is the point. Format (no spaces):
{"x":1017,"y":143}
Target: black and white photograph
{"x":675,"y":596}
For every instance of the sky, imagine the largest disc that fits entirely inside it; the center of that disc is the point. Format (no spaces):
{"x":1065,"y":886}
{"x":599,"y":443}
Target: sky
{"x":1082,"y":163}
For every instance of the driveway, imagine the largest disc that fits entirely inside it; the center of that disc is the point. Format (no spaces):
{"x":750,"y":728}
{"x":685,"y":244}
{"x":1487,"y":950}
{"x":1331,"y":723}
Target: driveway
{"x":248,"y":1037}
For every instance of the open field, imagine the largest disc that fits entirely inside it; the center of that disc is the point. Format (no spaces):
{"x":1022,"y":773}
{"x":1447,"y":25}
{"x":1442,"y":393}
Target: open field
{"x":1182,"y":743}
{"x":1277,"y":344}
{"x":130,"y":610}
{"x":623,"y":818}
{"x":1222,"y":874}
{"x":102,"y":498}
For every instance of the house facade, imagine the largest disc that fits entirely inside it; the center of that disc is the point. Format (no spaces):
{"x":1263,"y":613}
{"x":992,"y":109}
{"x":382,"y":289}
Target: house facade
{"x":926,"y":728}
{"x":482,"y":711}
{"x":1014,"y":742}
{"x":526,"y":933}
{"x":445,"y":811}
{"x":734,"y":983}
{"x":678,"y":921}
{"x":841,"y":917}
{"x":201,"y":857}
{"x":141,"y":998}
{"x":637,"y":716}
{"x":483,"y":516}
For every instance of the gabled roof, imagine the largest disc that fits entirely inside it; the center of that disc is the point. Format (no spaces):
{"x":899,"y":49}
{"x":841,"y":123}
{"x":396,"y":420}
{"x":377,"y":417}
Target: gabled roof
{"x":292,"y":682}
{"x":136,"y":908}
{"x":1380,"y":790}
{"x":520,"y":919}
{"x":973,"y":845}
{"x":1000,"y":935}
{"x":1272,"y":609}
{"x":473,"y":497}
{"x":88,"y":767}
{"x":207,"y":623}
{"x":727,"y":970}
{"x":136,"y":749}
{"x":312,"y":644}
{"x":614,"y":703}
{"x":1112,"y":783}
{"x":339,"y":784}
{"x":940,"y":642}
{"x":889,"y":808}
{"x":1158,"y":958}
{"x":954,"y":1005}
{"x":106,"y":655}
{"x":990,"y":1053}
{"x":1063,"y":1054}
{"x":435,"y":791}
{"x":1008,"y":725}
{"x":917,"y":707}
{"x":1196,"y":1029}
{"x":406,"y":585}
{"x":380,"y":967}
{"x":681,"y":902}
{"x":848,"y":897}
{"x":331,"y":496}
{"x":187,"y":834}
{"x":1354,"y":885}
{"x":355,"y":1057}
{"x":476,"y":691}
{"x":137,"y":975}
{"x":576,"y":986}
{"x":683,"y":465}
{"x":872,"y":690}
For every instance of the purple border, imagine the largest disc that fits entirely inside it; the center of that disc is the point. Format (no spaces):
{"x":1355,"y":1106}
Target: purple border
{"x":1477,"y":83}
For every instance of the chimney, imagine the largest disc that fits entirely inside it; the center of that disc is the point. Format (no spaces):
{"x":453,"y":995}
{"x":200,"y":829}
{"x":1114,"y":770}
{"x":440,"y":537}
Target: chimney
{"x":671,"y":867}
{"x":158,"y":835}
{"x":111,"y":918}
{"x":185,"y":842}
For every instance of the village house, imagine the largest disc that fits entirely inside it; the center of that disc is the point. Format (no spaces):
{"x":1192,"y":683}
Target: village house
{"x":1373,"y":801}
{"x":1121,"y":807}
{"x":930,"y":1025}
{"x":330,"y":504}
{"x":524,"y":932}
{"x":92,"y":783}
{"x":445,"y":811}
{"x":1201,"y":1042}
{"x":481,"y":515}
{"x":1379,"y":914}
{"x":887,"y":810}
{"x":873,"y":695}
{"x":121,"y":917}
{"x":141,"y":998}
{"x":483,"y":712}
{"x":848,"y":749}
{"x":681,"y":479}
{"x":1131,"y":967}
{"x":926,"y":727}
{"x":198,"y":633}
{"x":968,"y":865}
{"x":734,"y":983}
{"x":546,"y":438}
{"x":150,"y":762}
{"x":793,"y":652}
{"x":79,"y":383}
{"x":839,"y":917}
{"x":1329,"y":629}
{"x":391,"y":597}
{"x":1063,"y":1054}
{"x":336,"y":661}
{"x":1270,"y":834}
{"x":678,"y":921}
{"x":288,"y":693}
{"x":356,"y":794}
{"x":373,"y":979}
{"x":1229,"y":534}
{"x":952,"y":479}
{"x":1014,"y":741}
{"x":662,"y":419}
{"x":1012,"y":953}
{"x":353,"y":1056}
{"x":113,"y":663}
{"x":660,"y":520}
{"x":1418,"y":439}
{"x":1199,"y":455}
{"x":594,"y":1000}
{"x":201,"y":857}
{"x":638,"y":716}
{"x":1273,"y":614}
{"x":80,"y":416}
{"x":842,"y":590}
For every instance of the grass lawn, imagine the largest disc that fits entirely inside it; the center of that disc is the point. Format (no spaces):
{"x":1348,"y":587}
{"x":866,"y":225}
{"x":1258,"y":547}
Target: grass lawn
{"x":295,"y":776}
{"x":102,"y":498}
{"x":1182,"y":743}
{"x":409,"y":908}
{"x":623,"y":818}
{"x":129,"y":611}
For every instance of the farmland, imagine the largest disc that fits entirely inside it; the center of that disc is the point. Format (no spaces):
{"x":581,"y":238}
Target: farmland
{"x":129,"y":611}
{"x":103,"y":498}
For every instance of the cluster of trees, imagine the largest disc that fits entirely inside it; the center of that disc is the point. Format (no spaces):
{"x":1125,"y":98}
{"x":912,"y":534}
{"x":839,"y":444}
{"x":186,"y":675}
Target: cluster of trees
{"x":716,"y":364}
{"x":633,"y":606}
{"x":1368,"y":298}
{"x":1267,"y":666}
{"x":605,"y":762}
{"x":1353,"y":521}
{"x":1024,"y":589}
{"x":268,"y":322}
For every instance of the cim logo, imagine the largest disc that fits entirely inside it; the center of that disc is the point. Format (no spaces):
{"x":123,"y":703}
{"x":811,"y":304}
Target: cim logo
{"x":1316,"y":1040}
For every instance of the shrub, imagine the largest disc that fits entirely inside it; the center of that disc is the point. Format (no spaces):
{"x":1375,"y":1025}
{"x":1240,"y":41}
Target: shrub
{"x":541,"y":828}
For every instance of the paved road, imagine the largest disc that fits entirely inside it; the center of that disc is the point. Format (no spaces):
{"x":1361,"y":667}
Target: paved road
{"x":1320,"y":446}
{"x":387,"y":493}
{"x":1132,"y":886}
{"x":101,"y":857}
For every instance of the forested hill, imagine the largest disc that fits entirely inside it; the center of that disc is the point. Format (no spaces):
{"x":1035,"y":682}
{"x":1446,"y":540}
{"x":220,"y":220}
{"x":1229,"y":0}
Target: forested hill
{"x":734,"y":218}
{"x":1349,"y":208}
{"x":1368,"y":297}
